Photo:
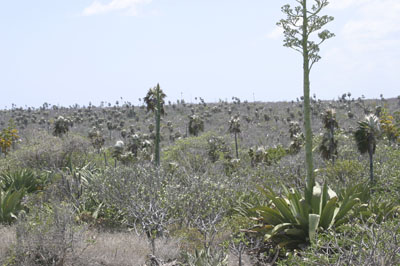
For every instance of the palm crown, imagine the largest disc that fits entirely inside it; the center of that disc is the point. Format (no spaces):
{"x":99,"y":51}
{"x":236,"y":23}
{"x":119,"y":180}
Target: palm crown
{"x":151,"y":99}
{"x":367,"y":133}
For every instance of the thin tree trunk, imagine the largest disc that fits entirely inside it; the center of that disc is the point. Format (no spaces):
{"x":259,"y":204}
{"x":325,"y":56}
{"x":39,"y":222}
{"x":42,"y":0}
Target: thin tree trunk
{"x":332,"y":144}
{"x":371,"y":164}
{"x":236,"y":146}
{"x":158,"y":114}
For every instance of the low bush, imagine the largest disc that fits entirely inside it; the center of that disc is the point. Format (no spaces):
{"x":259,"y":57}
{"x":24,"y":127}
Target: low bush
{"x":48,"y":152}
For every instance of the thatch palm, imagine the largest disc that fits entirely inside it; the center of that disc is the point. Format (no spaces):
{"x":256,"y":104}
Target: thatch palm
{"x":155,"y":103}
{"x":196,"y":124}
{"x":151,"y":99}
{"x":328,"y":148}
{"x":366,"y":136}
{"x":234,"y":127}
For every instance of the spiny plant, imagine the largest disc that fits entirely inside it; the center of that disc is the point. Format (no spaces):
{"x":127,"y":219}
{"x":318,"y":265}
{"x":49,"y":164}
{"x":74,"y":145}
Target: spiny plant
{"x":10,"y":205}
{"x":234,"y":128}
{"x":366,"y":136}
{"x":290,"y":221}
{"x":328,"y":147}
{"x":22,"y":179}
{"x":155,"y":103}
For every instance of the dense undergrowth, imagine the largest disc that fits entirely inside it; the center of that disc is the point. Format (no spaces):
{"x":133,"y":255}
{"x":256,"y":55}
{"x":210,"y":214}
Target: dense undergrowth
{"x":71,"y":196}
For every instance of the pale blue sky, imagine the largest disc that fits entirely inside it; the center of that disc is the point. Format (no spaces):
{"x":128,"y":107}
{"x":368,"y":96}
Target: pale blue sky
{"x":76,"y":51}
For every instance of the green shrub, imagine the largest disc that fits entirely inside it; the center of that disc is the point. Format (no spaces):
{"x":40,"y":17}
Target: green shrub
{"x":344,"y":170}
{"x":44,"y":151}
{"x":356,"y":244}
{"x":47,"y":236}
{"x":191,"y":153}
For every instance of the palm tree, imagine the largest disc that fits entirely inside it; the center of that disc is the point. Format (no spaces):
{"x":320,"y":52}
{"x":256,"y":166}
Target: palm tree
{"x":328,"y":147}
{"x":366,"y":136}
{"x":234,"y":127}
{"x":155,"y":103}
{"x":196,"y":124}
{"x":151,"y":99}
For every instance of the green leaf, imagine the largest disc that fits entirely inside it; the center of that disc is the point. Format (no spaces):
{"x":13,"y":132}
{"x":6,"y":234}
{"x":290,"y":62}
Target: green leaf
{"x":345,"y":208}
{"x":329,"y":213}
{"x":313,"y":226}
{"x":269,"y":215}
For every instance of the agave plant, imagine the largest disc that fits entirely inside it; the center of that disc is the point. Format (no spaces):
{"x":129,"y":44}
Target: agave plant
{"x":206,"y":257}
{"x":366,"y":136}
{"x":290,"y":221}
{"x":10,"y":204}
{"x":20,"y":179}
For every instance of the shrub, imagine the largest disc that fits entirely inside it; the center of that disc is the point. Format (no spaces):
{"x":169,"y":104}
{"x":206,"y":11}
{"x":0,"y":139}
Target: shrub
{"x":43,"y":151}
{"x":47,"y":236}
{"x":190,"y":153}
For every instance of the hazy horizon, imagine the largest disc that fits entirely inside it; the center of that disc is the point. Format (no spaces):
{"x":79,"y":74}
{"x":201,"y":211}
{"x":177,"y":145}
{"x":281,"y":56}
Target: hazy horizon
{"x":76,"y":52}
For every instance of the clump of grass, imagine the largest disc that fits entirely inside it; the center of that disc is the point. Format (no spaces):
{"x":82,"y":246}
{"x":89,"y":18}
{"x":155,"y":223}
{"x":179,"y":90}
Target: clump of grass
{"x":7,"y":241}
{"x":123,"y":248}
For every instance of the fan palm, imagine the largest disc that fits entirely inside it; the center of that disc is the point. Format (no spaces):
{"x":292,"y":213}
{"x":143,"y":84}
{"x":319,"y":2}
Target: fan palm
{"x":366,"y":136}
{"x":151,"y":99}
{"x":196,"y":124}
{"x":234,"y":127}
{"x":328,"y":148}
{"x":155,"y":103}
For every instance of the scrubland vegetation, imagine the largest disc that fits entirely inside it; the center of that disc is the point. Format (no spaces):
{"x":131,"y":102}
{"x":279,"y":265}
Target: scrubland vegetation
{"x":227,"y":183}
{"x":80,"y":185}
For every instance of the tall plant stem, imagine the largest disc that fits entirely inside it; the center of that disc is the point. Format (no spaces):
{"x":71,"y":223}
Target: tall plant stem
{"x":307,"y":113}
{"x":158,"y":118}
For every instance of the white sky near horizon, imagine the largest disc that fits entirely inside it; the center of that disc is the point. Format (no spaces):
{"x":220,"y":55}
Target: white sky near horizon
{"x":69,"y":51}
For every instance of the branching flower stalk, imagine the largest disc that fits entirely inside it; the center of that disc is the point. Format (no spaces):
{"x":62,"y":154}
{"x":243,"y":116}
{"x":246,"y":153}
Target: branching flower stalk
{"x":298,"y":27}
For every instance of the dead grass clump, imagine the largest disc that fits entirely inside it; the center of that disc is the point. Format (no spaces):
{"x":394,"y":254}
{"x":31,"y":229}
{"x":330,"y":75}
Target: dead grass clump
{"x":126,"y":249}
{"x":7,"y":234}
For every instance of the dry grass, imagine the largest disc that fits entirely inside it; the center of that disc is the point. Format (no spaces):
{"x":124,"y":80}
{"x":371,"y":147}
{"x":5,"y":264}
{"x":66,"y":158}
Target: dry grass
{"x":125,"y":249}
{"x":7,"y":241}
